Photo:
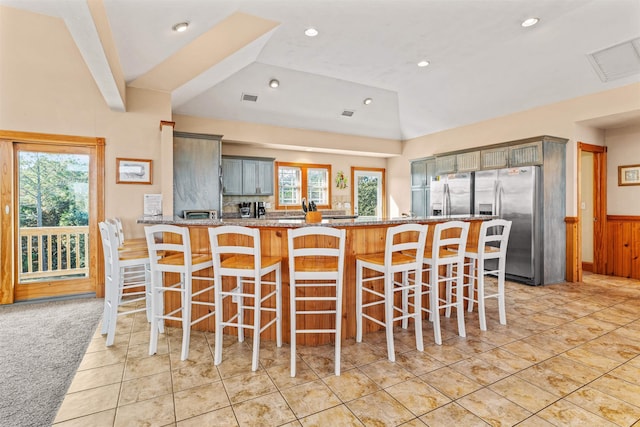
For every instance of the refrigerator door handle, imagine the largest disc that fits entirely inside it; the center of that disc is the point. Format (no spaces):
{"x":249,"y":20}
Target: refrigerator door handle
{"x":446,"y":202}
{"x":498,"y":198}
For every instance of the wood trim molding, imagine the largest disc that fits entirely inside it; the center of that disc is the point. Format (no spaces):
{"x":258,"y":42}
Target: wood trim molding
{"x":6,"y":223}
{"x":624,"y":218}
{"x":574,"y":270}
{"x":383,"y":171}
{"x":49,"y":138}
{"x":167,"y":123}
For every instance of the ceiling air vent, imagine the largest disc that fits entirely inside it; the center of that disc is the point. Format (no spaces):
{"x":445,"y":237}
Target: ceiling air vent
{"x":617,"y":61}
{"x":347,"y":113}
{"x":249,"y":98}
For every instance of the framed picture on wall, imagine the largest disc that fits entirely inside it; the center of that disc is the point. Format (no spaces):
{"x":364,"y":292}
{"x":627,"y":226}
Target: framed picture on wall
{"x":133,"y":171}
{"x":629,"y":175}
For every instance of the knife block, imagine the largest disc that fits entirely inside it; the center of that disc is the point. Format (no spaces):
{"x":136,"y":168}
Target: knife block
{"x":313,"y":217}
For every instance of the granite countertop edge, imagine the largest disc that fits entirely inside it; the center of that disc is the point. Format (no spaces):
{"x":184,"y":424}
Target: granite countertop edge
{"x":289,"y":223}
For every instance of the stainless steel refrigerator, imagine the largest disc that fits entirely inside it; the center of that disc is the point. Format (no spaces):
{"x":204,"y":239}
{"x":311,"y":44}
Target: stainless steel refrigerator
{"x":512,"y":194}
{"x":452,"y":194}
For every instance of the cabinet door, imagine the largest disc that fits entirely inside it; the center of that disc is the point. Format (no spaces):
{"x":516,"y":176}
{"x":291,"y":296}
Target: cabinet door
{"x":265,"y":177}
{"x":231,"y":177}
{"x":418,"y":173}
{"x":250,"y":177}
{"x":446,"y":164}
{"x":419,"y":201}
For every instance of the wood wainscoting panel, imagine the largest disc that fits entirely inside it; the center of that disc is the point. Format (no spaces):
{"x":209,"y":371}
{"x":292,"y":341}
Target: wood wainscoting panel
{"x":623,"y":246}
{"x":574,"y":270}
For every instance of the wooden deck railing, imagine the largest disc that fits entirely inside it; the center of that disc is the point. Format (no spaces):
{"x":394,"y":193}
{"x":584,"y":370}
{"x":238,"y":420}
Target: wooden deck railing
{"x":54,"y":252}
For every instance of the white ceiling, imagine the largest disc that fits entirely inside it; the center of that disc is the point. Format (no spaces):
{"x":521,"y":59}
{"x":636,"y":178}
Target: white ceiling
{"x":483,"y":63}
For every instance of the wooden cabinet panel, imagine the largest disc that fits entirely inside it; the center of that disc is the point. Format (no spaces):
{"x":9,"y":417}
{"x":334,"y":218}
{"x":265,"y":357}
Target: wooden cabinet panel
{"x":231,"y":176}
{"x":247,"y":177}
{"x":623,"y":246}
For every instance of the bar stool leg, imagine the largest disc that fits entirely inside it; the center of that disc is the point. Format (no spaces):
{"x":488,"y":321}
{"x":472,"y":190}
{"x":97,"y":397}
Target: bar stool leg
{"x":256,"y":322}
{"x":240,"y":307}
{"x":501,"y":303}
{"x":434,"y":301}
{"x":388,"y":315}
{"x":358,"y":301}
{"x":186,"y":315}
{"x":278,"y":274}
{"x":459,"y":301}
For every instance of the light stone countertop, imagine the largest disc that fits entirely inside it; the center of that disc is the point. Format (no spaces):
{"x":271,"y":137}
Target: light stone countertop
{"x":294,"y":223}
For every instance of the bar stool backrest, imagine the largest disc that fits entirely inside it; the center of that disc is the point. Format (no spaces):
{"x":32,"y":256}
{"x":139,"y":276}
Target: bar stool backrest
{"x":159,"y":250}
{"x":110,"y":251}
{"x":413,"y":247}
{"x":331,"y":253}
{"x":450,"y":236}
{"x":494,"y":234}
{"x":219,"y":249}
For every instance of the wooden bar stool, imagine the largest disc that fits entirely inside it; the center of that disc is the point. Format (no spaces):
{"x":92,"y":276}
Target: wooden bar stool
{"x":490,"y":253}
{"x":404,"y":249}
{"x":447,"y":251}
{"x":170,"y":252}
{"x":126,"y":283}
{"x":316,"y":266}
{"x":248,"y":266}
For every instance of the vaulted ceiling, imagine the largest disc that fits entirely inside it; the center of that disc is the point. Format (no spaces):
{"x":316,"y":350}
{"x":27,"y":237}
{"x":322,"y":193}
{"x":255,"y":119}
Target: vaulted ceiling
{"x":482,"y":62}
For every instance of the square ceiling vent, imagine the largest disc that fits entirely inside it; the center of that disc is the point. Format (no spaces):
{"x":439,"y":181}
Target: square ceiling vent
{"x":617,"y":61}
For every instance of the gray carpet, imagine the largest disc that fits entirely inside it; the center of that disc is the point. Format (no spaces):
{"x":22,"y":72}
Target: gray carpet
{"x":41,"y":346}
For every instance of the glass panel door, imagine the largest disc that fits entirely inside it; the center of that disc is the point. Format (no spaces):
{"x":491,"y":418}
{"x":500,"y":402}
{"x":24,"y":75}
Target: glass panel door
{"x":52,"y":221}
{"x":368,"y":193}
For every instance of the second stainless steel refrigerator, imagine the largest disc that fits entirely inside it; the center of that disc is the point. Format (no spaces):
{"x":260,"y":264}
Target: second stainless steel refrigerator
{"x":513,"y":194}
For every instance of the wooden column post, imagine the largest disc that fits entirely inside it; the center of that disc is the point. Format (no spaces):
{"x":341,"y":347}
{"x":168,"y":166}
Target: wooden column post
{"x":166,"y":166}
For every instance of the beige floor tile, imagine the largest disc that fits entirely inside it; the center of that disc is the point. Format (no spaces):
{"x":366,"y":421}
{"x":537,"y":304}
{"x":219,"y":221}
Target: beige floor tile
{"x":417,"y":362}
{"x":199,"y":400}
{"x":136,"y":368}
{"x":606,"y":406}
{"x":309,"y":398}
{"x":268,"y":410}
{"x":450,"y":382}
{"x":248,"y":386}
{"x":570,"y":369}
{"x":595,"y":361}
{"x":548,"y":380}
{"x":351,"y":384}
{"x":381,"y":409}
{"x":99,"y":419}
{"x":565,"y":413}
{"x":158,"y":411}
{"x":339,"y":416}
{"x":144,"y":388}
{"x":619,"y":351}
{"x":221,"y":417}
{"x":109,"y":356}
{"x":97,"y":377}
{"x":445,"y":353}
{"x":547,"y":345}
{"x":527,"y":351}
{"x":194,"y":375}
{"x":627,"y":372}
{"x":323,"y":365}
{"x":142,"y":350}
{"x":523,"y":393}
{"x":281,"y":375}
{"x":535,"y":421}
{"x":505,"y":360}
{"x":479,"y":370}
{"x":417,"y":396}
{"x":386,"y":373}
{"x":452,"y":415}
{"x":88,"y":402}
{"x":493,"y":408}
{"x":358,"y":354}
{"x":623,"y":390}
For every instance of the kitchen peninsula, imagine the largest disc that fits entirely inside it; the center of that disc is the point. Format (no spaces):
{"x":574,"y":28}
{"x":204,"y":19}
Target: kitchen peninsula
{"x":364,"y":235}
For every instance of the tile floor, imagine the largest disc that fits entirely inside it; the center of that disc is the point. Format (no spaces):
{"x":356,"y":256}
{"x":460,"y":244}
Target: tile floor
{"x":569,"y":356}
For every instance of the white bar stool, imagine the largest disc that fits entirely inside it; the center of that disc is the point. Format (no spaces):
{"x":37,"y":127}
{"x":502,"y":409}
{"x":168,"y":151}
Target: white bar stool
{"x":170,"y":252}
{"x":127,"y":244}
{"x":248,"y":266}
{"x":447,"y":250}
{"x":126,"y":281}
{"x":403,"y":256}
{"x":492,"y":245}
{"x":317,"y":266}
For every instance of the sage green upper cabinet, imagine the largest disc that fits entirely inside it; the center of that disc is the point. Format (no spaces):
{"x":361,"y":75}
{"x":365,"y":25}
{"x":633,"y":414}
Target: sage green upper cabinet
{"x":468,"y":162}
{"x":247,"y":176}
{"x":422,"y":172}
{"x":231,"y":176}
{"x":257,"y":177}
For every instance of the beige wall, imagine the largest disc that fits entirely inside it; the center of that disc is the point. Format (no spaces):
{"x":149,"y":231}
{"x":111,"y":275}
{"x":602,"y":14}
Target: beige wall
{"x":562,"y":119}
{"x":623,"y":148}
{"x":46,"y":87}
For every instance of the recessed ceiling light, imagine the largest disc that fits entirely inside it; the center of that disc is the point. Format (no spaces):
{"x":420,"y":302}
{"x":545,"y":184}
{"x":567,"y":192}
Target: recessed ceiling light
{"x":367,"y":101}
{"x":274,"y":83}
{"x":182,"y":26}
{"x":529,"y":22}
{"x":423,"y":63}
{"x":311,"y":32}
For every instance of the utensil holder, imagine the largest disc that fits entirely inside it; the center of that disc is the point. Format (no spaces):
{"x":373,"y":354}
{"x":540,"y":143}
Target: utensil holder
{"x":313,"y":217}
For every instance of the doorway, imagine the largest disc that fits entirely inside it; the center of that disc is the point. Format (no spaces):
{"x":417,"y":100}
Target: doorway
{"x":592,"y":208}
{"x":368,"y":192}
{"x":49,"y":238}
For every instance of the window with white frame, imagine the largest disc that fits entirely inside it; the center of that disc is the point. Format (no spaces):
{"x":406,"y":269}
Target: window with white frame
{"x":302,"y":180}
